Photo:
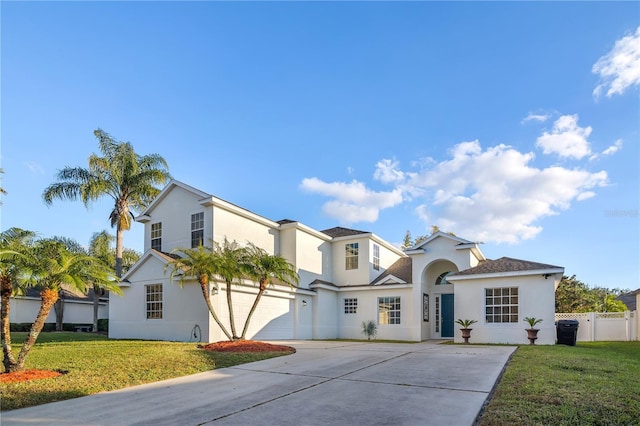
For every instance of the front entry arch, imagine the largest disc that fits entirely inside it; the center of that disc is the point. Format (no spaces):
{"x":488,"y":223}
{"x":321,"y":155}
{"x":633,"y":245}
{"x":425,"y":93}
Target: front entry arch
{"x":447,"y":316}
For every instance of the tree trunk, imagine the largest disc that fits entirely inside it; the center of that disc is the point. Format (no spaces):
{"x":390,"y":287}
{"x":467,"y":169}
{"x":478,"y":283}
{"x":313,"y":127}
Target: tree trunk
{"x":97,"y":292}
{"x":263,"y":287}
{"x":49,"y":298}
{"x":6,"y":289}
{"x":231,"y":318}
{"x":58,"y":307}
{"x":204,"y":286}
{"x":119,"y":248}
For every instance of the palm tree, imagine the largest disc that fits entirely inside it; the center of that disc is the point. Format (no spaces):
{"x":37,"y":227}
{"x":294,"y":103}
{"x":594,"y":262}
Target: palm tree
{"x":100,"y":248}
{"x":15,"y":246}
{"x":128,"y":178}
{"x":231,"y":266}
{"x":53,"y":265}
{"x":2,"y":191}
{"x":265,"y":269}
{"x":202,"y":264}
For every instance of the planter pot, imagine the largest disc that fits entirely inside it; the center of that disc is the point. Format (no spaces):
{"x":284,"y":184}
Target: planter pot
{"x":466,"y":333}
{"x":532,"y":335}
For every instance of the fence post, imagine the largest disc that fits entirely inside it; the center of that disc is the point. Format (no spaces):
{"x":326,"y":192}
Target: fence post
{"x":591,"y":318}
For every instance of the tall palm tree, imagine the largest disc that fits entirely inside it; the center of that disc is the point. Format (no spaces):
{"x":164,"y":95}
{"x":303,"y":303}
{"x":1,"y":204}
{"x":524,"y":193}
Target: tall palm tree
{"x":15,"y":246}
{"x":128,"y":178}
{"x":100,"y":248}
{"x":53,"y":265}
{"x":2,"y":191}
{"x":199,"y":263}
{"x":231,"y":266}
{"x":266,"y":269}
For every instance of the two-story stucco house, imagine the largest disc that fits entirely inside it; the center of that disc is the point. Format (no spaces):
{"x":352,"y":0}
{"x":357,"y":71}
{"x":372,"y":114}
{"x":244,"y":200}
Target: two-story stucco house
{"x":346,"y":277}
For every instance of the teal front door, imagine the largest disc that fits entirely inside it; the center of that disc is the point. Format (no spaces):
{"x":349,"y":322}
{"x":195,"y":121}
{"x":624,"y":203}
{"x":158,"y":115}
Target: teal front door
{"x":447,"y":315}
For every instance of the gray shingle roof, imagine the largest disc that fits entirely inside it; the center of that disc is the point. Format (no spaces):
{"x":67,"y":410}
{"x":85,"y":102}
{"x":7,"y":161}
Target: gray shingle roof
{"x":339,"y":231}
{"x":401,"y":268}
{"x":505,"y":264}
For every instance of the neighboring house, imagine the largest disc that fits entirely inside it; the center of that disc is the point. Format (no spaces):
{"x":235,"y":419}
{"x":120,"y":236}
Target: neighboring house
{"x":78,"y":308}
{"x":629,"y":299}
{"x":347,"y":276}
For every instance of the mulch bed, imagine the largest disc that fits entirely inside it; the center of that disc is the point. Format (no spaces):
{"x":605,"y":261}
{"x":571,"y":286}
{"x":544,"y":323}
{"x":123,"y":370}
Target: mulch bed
{"x":246,"y":346}
{"x":23,"y":376}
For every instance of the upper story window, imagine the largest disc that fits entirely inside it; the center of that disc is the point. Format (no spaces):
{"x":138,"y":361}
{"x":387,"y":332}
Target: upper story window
{"x":442,"y":278}
{"x":156,"y":236}
{"x":154,"y":301}
{"x":350,"y":305}
{"x":501,"y":304}
{"x":351,"y":256}
{"x":197,"y":229}
{"x":376,"y":257}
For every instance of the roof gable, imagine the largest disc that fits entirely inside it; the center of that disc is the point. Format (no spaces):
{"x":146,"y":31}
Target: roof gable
{"x":166,"y":191}
{"x":164,"y":258}
{"x":439,"y":234}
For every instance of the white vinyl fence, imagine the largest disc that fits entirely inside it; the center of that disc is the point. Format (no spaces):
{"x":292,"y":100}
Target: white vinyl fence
{"x":597,"y":326}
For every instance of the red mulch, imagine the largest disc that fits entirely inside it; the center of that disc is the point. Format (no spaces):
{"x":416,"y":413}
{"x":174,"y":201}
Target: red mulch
{"x":23,"y":376}
{"x":246,"y":346}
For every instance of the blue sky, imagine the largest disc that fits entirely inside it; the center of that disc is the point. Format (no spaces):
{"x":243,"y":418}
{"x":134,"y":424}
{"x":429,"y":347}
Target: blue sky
{"x":511,"y":123}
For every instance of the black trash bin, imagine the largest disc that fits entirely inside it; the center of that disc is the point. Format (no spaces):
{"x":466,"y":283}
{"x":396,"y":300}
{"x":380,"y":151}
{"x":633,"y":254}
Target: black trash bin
{"x":567,"y":331}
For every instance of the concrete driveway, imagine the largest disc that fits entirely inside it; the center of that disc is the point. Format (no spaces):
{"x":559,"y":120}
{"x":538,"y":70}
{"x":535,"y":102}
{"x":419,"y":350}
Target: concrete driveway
{"x":323,"y":383}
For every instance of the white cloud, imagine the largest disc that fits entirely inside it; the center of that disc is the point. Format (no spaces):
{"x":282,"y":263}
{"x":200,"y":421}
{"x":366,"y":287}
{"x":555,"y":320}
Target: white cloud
{"x":496,"y":195}
{"x":620,"y":68}
{"x":566,"y":139}
{"x":387,"y":171}
{"x":492,"y":194}
{"x":352,"y":202}
{"x":536,"y":117}
{"x":34,"y":167}
{"x":609,"y":151}
{"x":613,"y":148}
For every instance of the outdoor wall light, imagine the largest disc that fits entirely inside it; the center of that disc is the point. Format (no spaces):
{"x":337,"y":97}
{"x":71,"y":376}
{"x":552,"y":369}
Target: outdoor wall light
{"x":214,"y":290}
{"x":304,"y":303}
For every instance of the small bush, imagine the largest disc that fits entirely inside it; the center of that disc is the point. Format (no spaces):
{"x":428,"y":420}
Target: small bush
{"x":103,"y":324}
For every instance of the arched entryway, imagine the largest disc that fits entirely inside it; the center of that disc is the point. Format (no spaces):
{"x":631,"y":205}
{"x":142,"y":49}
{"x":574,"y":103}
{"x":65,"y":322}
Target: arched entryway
{"x":434,"y":279}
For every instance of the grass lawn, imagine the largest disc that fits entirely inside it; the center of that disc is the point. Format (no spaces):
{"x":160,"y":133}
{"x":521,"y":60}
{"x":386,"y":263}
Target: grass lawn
{"x":592,"y":383}
{"x":95,"y":364}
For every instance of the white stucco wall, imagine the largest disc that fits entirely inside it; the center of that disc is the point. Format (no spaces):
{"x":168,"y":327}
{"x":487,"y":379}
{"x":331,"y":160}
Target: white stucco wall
{"x":350,"y":325}
{"x":440,"y":248}
{"x":536,"y":299}
{"x":325,"y":322}
{"x":183,"y":308}
{"x":175,"y":212}
{"x":310,"y":255}
{"x":243,"y":230}
{"x":25,"y":310}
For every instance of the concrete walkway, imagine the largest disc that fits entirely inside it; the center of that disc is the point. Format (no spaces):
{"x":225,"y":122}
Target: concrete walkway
{"x":323,"y":383}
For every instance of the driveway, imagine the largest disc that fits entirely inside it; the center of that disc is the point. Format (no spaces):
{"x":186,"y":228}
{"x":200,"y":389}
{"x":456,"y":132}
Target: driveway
{"x":323,"y":383}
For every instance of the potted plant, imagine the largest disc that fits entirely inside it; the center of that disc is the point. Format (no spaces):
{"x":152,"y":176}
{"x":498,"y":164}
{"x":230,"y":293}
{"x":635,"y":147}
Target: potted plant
{"x":465,"y":330}
{"x":532,"y":333}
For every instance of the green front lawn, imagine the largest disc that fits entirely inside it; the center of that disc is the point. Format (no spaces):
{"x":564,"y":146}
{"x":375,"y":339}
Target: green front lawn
{"x":95,"y":364}
{"x":592,"y":383}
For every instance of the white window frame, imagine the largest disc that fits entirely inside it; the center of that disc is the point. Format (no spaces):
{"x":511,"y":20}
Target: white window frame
{"x":389,"y":310}
{"x":351,"y":305}
{"x":156,"y":236}
{"x":197,"y":227}
{"x":501,"y":305}
{"x":376,"y":257}
{"x":351,"y":251}
{"x":153,"y":301}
